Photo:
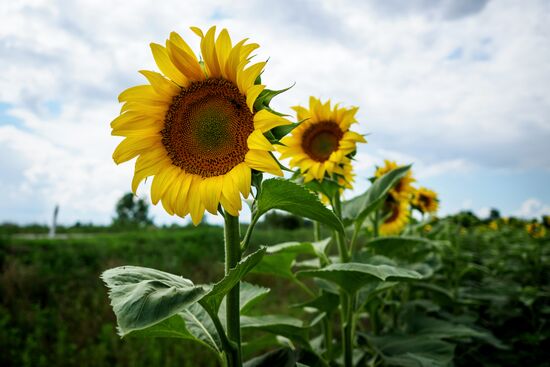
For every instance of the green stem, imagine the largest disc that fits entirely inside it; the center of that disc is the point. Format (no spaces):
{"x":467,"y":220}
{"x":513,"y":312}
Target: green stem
{"x":353,"y":241}
{"x":376,"y":222}
{"x":316,"y":231}
{"x":232,"y":258}
{"x":228,"y":347}
{"x":246,"y":240}
{"x":346,"y":300}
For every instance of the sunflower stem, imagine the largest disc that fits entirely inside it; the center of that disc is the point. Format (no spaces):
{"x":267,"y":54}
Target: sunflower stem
{"x":347,"y":301}
{"x":316,"y":231}
{"x":232,"y":258}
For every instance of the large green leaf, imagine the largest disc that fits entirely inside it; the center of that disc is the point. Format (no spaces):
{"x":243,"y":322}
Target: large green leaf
{"x":214,"y":297}
{"x":286,"y":195}
{"x":353,"y":276}
{"x":412,"y":351}
{"x":326,"y":302}
{"x":142,"y":297}
{"x":280,"y":258}
{"x":357,"y":209}
{"x":249,"y":294}
{"x":193,"y":323}
{"x":286,"y":326}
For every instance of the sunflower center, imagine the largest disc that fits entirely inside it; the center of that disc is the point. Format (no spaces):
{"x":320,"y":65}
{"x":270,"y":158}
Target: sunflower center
{"x":321,"y":139}
{"x":424,"y":200}
{"x":206,"y":128}
{"x":393,"y":209}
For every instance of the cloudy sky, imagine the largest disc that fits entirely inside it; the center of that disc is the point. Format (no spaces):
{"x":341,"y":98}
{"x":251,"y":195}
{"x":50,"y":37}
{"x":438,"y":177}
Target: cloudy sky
{"x":459,"y":88}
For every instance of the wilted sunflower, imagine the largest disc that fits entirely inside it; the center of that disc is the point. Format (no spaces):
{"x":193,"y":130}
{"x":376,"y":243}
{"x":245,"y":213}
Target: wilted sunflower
{"x":395,"y":215}
{"x":425,"y":200}
{"x":535,"y":230}
{"x":194,"y":127}
{"x":403,"y":190}
{"x":322,"y":144}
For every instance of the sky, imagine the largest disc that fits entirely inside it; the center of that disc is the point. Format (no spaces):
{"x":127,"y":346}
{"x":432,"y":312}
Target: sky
{"x":459,"y":88}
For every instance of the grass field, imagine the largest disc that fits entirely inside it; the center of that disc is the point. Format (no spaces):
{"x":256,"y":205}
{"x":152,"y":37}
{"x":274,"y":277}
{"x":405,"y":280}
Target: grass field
{"x":54,"y":308}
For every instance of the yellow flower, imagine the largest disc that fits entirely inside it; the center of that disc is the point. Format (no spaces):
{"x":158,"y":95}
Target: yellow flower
{"x":425,"y":200}
{"x":395,"y":215}
{"x":403,"y":190}
{"x":493,"y":225}
{"x":194,"y":127}
{"x":535,"y":230}
{"x":322,"y":144}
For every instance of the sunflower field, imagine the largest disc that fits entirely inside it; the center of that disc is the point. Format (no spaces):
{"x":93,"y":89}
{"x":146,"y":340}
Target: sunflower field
{"x":369,"y":279}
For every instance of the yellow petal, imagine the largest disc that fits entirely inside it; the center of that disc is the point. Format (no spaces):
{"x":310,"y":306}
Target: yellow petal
{"x":208,"y":50}
{"x":210,"y":191}
{"x":252,"y":93}
{"x":262,"y":161}
{"x":182,"y":201}
{"x":197,"y":31}
{"x":246,"y":77}
{"x":258,"y":141}
{"x":230,"y":198}
{"x":242,"y":176}
{"x":233,"y":62}
{"x":176,"y":39}
{"x":265,"y":120}
{"x":160,"y":54}
{"x":196,"y":206}
{"x":131,"y":119}
{"x":140,"y":92}
{"x":246,"y":50}
{"x":160,"y":84}
{"x":157,"y":110}
{"x":185,"y":63}
{"x":146,"y":167}
{"x":302,"y":113}
{"x":353,"y":136}
{"x":131,"y":147}
{"x":223,"y":48}
{"x":161,"y":182}
{"x":136,"y":131}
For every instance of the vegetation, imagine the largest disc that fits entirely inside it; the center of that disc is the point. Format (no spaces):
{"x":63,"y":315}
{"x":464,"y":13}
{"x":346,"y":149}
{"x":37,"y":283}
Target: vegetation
{"x":486,"y":302}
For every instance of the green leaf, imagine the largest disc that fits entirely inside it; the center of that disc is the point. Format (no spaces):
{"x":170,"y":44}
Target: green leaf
{"x":353,"y":276}
{"x":357,"y":209}
{"x":288,"y":327}
{"x":412,"y":351}
{"x":193,"y":323}
{"x":142,"y":297}
{"x":284,"y":357}
{"x":285,"y":195}
{"x":249,"y":294}
{"x":326,"y":302}
{"x":280,"y":258}
{"x":214,"y":297}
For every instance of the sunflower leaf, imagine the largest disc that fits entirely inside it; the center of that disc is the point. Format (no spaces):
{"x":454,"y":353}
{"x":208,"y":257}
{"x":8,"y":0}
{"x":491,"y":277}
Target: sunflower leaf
{"x":142,"y":297}
{"x":353,"y":276}
{"x":293,"y":198}
{"x":358,"y":208}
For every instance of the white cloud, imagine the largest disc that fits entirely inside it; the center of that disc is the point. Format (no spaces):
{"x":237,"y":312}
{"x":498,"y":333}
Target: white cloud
{"x":451,"y":86}
{"x":532,"y":208}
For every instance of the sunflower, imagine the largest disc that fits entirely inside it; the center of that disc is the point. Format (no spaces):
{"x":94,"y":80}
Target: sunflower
{"x":535,"y":230}
{"x":395,"y":216}
{"x":321,"y":146}
{"x":403,"y":190}
{"x":193,"y":127}
{"x":425,"y":200}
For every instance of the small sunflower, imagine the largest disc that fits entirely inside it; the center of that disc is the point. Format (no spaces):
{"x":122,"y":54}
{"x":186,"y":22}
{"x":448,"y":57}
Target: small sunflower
{"x":396,"y":215}
{"x":403,"y":190}
{"x":193,"y":127}
{"x":535,"y":230}
{"x":425,"y":200}
{"x":493,"y":225}
{"x":322,"y":144}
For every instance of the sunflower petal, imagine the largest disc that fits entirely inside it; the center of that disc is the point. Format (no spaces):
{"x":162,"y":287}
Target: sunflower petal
{"x":242,"y":175}
{"x":160,"y":84}
{"x":265,"y":120}
{"x":133,"y":146}
{"x":210,"y":191}
{"x":185,"y":63}
{"x":182,"y":201}
{"x":139,"y":93}
{"x":252,"y":93}
{"x":208,"y":50}
{"x":196,"y":206}
{"x":162,"y":181}
{"x":223,"y":48}
{"x":166,"y":66}
{"x":262,"y":161}
{"x":176,"y":39}
{"x":258,"y":141}
{"x":246,"y":77}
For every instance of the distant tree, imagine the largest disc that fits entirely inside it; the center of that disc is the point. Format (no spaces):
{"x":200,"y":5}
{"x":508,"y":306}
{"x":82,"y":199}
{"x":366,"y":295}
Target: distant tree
{"x":494,"y":214}
{"x":132,"y":212}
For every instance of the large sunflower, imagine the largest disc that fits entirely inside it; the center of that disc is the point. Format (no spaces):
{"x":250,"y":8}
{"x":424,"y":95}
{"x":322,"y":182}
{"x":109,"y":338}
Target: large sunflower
{"x":425,"y":200}
{"x":322,"y":144}
{"x":194,"y":127}
{"x":403,"y":190}
{"x":395,"y":215}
